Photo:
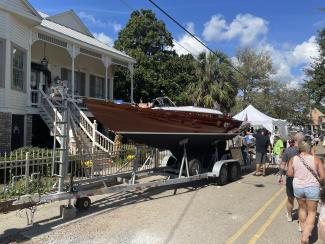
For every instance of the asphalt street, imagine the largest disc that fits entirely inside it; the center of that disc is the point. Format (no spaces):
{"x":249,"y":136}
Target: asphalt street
{"x":250,"y":210}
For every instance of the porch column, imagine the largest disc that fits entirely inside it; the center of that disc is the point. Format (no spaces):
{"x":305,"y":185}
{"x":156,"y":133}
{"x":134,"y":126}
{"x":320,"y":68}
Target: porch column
{"x":107,"y":61}
{"x":28,"y":70}
{"x":131,"y":69}
{"x":72,"y":69}
{"x":111,"y":82}
{"x":74,"y":52}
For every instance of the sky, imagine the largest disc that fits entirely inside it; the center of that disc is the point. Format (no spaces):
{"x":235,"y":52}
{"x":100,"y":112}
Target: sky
{"x":286,"y":29}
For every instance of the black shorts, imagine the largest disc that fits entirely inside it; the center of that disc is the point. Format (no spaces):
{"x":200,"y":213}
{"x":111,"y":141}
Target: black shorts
{"x":260,"y":158}
{"x":289,"y":187}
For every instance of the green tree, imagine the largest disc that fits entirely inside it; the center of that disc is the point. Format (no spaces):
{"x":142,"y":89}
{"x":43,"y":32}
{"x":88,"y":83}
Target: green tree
{"x":216,"y":86}
{"x":316,"y":73}
{"x":159,"y":71}
{"x":255,"y":71}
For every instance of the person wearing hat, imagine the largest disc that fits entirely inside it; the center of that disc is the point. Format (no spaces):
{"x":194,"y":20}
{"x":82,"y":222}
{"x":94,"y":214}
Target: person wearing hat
{"x":289,"y":153}
{"x":277,"y":149}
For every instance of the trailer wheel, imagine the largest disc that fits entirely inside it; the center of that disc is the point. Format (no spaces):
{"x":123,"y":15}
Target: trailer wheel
{"x":234,"y":172}
{"x":223,"y":176}
{"x":83,"y":203}
{"x":194,"y":167}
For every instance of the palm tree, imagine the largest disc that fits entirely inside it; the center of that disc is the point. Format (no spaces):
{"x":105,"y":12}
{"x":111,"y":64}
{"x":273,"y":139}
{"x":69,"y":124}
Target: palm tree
{"x":216,"y":87}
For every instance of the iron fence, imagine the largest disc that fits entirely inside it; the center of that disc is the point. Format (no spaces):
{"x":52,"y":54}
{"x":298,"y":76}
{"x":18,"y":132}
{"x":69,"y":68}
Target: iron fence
{"x":25,"y":172}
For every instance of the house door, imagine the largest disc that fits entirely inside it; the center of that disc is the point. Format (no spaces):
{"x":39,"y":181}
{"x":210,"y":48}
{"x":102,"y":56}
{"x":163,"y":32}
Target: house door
{"x":17,"y":131}
{"x":40,"y":78}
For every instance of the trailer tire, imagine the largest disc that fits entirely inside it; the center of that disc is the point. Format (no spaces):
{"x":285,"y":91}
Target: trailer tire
{"x":223,"y":176}
{"x":194,"y":167}
{"x":83,"y":203}
{"x":234,"y":172}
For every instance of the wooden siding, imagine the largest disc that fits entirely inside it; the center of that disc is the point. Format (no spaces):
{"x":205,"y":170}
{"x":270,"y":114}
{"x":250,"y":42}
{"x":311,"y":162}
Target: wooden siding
{"x":19,"y":7}
{"x":3,"y":24}
{"x":18,"y":100}
{"x":19,"y":34}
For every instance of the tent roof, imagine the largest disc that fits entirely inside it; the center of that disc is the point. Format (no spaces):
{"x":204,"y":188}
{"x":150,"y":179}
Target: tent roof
{"x":257,"y":118}
{"x":251,"y":114}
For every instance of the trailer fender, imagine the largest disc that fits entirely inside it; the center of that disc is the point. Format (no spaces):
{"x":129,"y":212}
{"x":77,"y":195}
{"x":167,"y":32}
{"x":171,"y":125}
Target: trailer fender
{"x":217,"y":166}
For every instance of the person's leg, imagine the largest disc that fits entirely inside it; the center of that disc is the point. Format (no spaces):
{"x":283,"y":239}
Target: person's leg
{"x":258,"y":163}
{"x":263,"y":162}
{"x":310,"y":220}
{"x":290,"y":204}
{"x":302,"y":212}
{"x":257,"y":172}
{"x":291,"y":197}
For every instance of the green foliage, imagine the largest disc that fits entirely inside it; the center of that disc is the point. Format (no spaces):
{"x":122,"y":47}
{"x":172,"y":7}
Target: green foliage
{"x":255,"y":71}
{"x":216,"y":86}
{"x":37,"y":185}
{"x":316,"y":73}
{"x":159,"y":71}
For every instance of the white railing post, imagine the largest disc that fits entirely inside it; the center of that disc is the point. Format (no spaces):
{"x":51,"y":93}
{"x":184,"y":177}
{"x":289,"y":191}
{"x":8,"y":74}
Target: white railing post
{"x":94,"y":132}
{"x":27,"y":169}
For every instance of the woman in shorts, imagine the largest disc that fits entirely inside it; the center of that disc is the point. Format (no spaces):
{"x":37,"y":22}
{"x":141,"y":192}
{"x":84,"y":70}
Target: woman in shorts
{"x":307,"y":170}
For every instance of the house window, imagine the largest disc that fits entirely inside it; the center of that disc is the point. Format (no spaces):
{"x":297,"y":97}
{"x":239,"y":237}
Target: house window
{"x":18,"y":68}
{"x":2,"y":62}
{"x":97,"y":87}
{"x":79,"y":81}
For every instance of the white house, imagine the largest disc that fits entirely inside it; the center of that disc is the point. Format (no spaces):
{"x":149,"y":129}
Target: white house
{"x":36,"y":50}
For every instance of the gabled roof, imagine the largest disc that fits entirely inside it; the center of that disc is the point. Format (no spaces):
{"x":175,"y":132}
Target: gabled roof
{"x":80,"y":37}
{"x":22,"y":8}
{"x":71,"y":20}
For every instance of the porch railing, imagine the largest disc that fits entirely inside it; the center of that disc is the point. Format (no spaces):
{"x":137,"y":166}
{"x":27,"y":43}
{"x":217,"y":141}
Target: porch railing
{"x":51,"y":110}
{"x":90,"y":129}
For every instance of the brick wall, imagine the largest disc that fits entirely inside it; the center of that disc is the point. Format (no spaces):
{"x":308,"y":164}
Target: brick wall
{"x":29,"y":123}
{"x":5,"y":132}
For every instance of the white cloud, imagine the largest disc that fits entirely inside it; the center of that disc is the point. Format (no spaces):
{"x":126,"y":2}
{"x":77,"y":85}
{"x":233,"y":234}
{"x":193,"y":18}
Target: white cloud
{"x":102,"y":37}
{"x":248,"y":28}
{"x":116,"y":26}
{"x":99,"y":23}
{"x":187,"y":44}
{"x":288,"y":59}
{"x":306,"y":51}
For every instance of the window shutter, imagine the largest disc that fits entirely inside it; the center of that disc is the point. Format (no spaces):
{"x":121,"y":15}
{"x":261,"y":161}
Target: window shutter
{"x":92,"y":86}
{"x":82,"y":84}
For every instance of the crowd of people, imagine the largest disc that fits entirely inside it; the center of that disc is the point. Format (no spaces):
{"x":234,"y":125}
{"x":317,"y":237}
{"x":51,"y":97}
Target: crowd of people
{"x":304,"y":177}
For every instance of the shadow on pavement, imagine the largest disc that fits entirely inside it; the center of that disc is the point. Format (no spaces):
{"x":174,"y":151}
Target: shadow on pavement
{"x":102,"y":205}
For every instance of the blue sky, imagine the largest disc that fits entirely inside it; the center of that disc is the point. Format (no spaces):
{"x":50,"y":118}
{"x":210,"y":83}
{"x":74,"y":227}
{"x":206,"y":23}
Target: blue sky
{"x":284,"y":29}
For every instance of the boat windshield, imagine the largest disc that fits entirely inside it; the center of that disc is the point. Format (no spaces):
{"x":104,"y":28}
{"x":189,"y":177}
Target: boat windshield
{"x":162,"y":102}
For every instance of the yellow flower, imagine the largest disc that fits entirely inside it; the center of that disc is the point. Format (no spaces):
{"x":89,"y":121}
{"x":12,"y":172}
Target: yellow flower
{"x":130,"y":157}
{"x":87,"y":164}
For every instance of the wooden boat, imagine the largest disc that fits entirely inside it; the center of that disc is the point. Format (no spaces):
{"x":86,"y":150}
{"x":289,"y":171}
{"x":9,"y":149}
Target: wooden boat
{"x":163,"y":129}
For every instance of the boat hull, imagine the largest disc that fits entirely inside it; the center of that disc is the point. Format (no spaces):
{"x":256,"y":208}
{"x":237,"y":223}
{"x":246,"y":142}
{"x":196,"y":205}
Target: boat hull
{"x":161,"y":128}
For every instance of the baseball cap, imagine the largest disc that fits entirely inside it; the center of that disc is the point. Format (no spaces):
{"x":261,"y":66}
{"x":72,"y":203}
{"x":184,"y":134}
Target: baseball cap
{"x":299,"y":136}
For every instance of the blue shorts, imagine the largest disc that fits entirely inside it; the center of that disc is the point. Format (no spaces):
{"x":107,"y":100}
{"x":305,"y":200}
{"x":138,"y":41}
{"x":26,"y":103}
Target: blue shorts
{"x":309,"y":193}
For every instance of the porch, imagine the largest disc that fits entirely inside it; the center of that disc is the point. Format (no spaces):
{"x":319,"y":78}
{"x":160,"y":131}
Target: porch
{"x":85,"y":71}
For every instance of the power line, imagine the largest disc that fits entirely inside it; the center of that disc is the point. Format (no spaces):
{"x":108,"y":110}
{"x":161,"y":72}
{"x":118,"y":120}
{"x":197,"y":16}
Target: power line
{"x":132,"y":9}
{"x":197,"y":39}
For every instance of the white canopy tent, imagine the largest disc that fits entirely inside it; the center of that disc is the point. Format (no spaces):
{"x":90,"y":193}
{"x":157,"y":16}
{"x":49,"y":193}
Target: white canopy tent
{"x":257,"y":118}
